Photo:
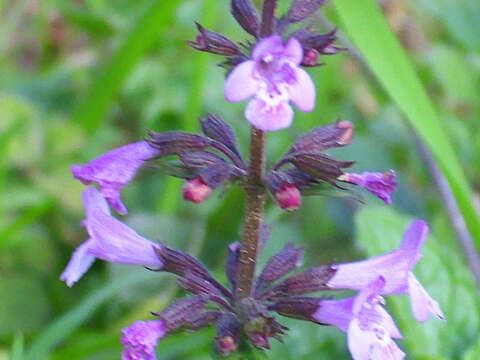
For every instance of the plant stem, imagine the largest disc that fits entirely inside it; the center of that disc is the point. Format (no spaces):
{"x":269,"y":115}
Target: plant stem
{"x":254,"y":213}
{"x":455,"y":216}
{"x":254,"y":187}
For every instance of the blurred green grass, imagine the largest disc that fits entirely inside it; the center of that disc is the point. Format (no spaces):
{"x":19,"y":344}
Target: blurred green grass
{"x":67,"y":94}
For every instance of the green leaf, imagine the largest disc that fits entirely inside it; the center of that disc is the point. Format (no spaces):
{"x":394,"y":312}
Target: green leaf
{"x":454,"y":73}
{"x":156,"y":17}
{"x":460,"y":18}
{"x":387,"y":60}
{"x":86,"y":20}
{"x":24,"y":303}
{"x":441,"y":271}
{"x":473,"y":353}
{"x":17,"y":347}
{"x":67,"y":323}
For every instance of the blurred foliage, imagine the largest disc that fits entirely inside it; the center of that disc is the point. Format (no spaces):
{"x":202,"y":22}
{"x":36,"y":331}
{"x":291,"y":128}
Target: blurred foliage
{"x":78,"y":78}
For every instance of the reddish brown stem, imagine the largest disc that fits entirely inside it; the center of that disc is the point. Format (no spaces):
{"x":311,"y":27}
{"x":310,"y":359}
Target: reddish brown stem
{"x":254,"y":211}
{"x":254,"y":187}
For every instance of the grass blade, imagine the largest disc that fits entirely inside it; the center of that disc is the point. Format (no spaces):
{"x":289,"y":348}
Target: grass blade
{"x":68,"y":322}
{"x":157,"y":16}
{"x":369,"y":30}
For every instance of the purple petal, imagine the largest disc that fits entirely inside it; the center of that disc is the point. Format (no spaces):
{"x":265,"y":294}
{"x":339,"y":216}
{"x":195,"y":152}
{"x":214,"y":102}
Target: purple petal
{"x":78,"y":265}
{"x":140,"y":339}
{"x":388,"y":350}
{"x":240,"y":84}
{"x":372,"y":342}
{"x":293,"y":51}
{"x":368,"y":308}
{"x":359,"y":342}
{"x":393,"y":266}
{"x":382,"y":185}
{"x":422,"y":304}
{"x":386,"y":321}
{"x":269,"y":117}
{"x":114,"y":169}
{"x":302,"y":93}
{"x":114,"y":241}
{"x":368,"y":294}
{"x":93,"y":201}
{"x":338,"y":313}
{"x":413,"y":240}
{"x":270,"y":45}
{"x":110,"y":240}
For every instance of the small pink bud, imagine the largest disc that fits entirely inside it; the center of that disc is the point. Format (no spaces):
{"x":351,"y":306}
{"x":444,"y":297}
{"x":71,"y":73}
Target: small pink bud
{"x":289,"y":197}
{"x":347,"y":135}
{"x":196,"y":190}
{"x":259,"y":340}
{"x":226,"y":345}
{"x":311,"y":57}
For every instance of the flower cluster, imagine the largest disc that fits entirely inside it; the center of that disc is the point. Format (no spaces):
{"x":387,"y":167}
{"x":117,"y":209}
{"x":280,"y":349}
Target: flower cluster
{"x":370,"y":328}
{"x":269,"y":72}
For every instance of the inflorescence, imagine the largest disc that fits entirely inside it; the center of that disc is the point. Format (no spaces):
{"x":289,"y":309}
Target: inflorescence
{"x":269,"y":72}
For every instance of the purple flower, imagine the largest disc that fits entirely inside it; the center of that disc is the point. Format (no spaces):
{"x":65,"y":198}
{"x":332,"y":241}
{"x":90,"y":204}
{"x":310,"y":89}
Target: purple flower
{"x":109,"y":239}
{"x":273,"y":77}
{"x":114,"y":169}
{"x":382,"y":185}
{"x":396,"y":268}
{"x":369,"y":327}
{"x":141,"y":338}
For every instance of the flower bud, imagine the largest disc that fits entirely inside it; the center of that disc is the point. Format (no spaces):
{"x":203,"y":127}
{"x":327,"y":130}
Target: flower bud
{"x":286,"y":260}
{"x":289,"y":197}
{"x":258,"y":339}
{"x":182,"y":312}
{"x":258,"y":324}
{"x":296,"y":307}
{"x":301,"y":9}
{"x":199,"y":159}
{"x":196,"y":190}
{"x":213,"y":42}
{"x":322,"y":138}
{"x":323,"y":44}
{"x":310,"y":58}
{"x":309,"y":281}
{"x":320,"y":166}
{"x":202,"y":320}
{"x":217,"y":129}
{"x":244,"y":12}
{"x":180,"y":263}
{"x":285,"y":190}
{"x":228,"y":332}
{"x":174,"y":142}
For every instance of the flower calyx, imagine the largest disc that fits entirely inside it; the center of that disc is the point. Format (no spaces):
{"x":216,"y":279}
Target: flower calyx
{"x":212,"y":42}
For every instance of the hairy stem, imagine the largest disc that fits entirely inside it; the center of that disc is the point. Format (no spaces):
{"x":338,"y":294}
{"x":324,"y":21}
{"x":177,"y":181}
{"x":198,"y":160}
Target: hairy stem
{"x":254,"y":187}
{"x":254,"y":212}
